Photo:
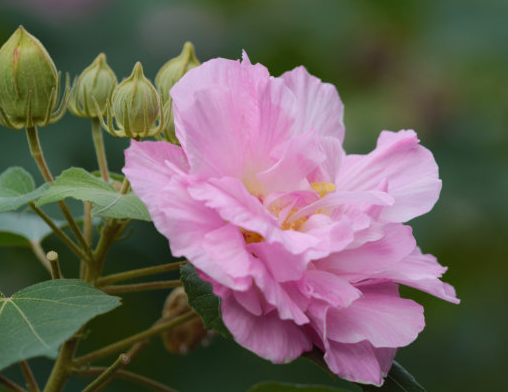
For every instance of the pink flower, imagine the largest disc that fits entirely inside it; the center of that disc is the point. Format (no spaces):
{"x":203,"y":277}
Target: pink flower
{"x":304,"y":244}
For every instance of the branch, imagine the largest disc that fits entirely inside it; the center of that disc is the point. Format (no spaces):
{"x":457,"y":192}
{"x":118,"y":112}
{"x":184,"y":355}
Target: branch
{"x":11,"y":385}
{"x":29,"y":376}
{"x":107,"y":374}
{"x":153,"y":331}
{"x":137,"y":273}
{"x":137,"y":287}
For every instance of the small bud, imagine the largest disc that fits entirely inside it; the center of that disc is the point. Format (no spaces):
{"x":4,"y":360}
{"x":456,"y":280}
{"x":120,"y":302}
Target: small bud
{"x":28,"y":82}
{"x":174,"y":69}
{"x":136,"y":103}
{"x":96,"y":83}
{"x":187,"y":336}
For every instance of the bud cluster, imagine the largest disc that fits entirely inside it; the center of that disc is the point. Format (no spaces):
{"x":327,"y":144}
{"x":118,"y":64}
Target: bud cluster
{"x":135,"y":108}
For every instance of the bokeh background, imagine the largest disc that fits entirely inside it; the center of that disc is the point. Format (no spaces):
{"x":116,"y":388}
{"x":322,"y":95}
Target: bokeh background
{"x":439,"y":67}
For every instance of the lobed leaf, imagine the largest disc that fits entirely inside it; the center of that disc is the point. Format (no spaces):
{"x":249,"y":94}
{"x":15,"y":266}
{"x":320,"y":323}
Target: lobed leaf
{"x":108,"y":202}
{"x":38,"y":319}
{"x":203,"y":300}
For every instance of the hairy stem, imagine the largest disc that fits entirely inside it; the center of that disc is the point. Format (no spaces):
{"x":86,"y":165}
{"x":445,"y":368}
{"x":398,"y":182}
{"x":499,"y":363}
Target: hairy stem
{"x":59,"y":232}
{"x":137,"y":287}
{"x":122,"y":361}
{"x":36,"y":151}
{"x":100,"y":151}
{"x":137,"y":273}
{"x":120,"y":345}
{"x":29,"y":376}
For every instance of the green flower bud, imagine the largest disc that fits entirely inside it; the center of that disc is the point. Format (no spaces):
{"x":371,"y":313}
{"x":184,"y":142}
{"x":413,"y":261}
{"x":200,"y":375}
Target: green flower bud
{"x":136,"y":103}
{"x":174,"y":69}
{"x":95,"y":84}
{"x":28,"y":82}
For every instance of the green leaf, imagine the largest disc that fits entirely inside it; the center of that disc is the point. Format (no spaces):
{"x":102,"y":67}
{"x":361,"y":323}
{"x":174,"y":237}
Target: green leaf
{"x":108,"y":202}
{"x":203,"y":300}
{"x":38,"y":319}
{"x":19,"y":229}
{"x":285,"y":387}
{"x":17,"y":188}
{"x":398,"y":380}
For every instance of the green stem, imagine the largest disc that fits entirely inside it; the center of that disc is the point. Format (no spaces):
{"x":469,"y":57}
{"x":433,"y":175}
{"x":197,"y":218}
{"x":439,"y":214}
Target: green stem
{"x":122,"y":361}
{"x":137,"y":273}
{"x":29,"y":376}
{"x":66,"y":240}
{"x":115,"y":347}
{"x":87,"y":233}
{"x":137,"y":287}
{"x":62,"y":368}
{"x":141,"y":380}
{"x":36,"y":151}
{"x":11,"y":385}
{"x":100,"y":151}
{"x":110,"y":232}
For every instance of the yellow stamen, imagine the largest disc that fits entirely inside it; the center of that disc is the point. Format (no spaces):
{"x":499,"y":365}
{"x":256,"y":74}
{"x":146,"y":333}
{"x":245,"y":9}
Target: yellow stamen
{"x":323,"y":188}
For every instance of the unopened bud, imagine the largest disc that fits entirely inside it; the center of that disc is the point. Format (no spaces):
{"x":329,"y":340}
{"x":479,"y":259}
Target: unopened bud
{"x":184,"y":337}
{"x":28,"y":82}
{"x":94,"y":86}
{"x":174,"y":69}
{"x":136,"y":103}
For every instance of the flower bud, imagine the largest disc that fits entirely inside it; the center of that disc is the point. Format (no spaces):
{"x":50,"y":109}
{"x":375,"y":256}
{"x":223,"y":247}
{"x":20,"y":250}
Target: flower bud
{"x":174,"y":69}
{"x":187,"y":336}
{"x":95,"y":84}
{"x":136,"y":103}
{"x":28,"y":81}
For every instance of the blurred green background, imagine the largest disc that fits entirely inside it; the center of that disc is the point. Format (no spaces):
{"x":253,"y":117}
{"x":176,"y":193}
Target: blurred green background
{"x":439,"y":67}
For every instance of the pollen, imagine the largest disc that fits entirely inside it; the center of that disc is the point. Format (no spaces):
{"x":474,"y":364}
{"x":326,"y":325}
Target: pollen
{"x":323,"y":188}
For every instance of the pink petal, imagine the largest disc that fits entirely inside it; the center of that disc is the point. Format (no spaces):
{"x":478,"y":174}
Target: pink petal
{"x":302,"y":155}
{"x":409,"y":169}
{"x":268,"y":336}
{"x":328,"y":287}
{"x":276,"y":295}
{"x":358,"y":362}
{"x":421,"y":271}
{"x":383,"y":320}
{"x":372,"y":257}
{"x":330,"y":168}
{"x":319,"y":104}
{"x":228,"y":116}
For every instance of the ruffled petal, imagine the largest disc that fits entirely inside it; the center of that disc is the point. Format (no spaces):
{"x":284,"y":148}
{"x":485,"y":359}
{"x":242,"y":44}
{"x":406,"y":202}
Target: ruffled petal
{"x":229,"y":115}
{"x":409,"y":169}
{"x":319,"y":105}
{"x":383,"y":320}
{"x":359,"y":362}
{"x":268,"y":336}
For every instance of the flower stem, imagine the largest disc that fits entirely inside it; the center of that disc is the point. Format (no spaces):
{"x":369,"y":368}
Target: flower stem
{"x":66,"y":240}
{"x":29,"y":376}
{"x":122,"y":361}
{"x":11,"y":385}
{"x":36,"y":151}
{"x":141,"y":380}
{"x":137,"y":287}
{"x":100,"y":151}
{"x":137,"y":273}
{"x":115,"y":347}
